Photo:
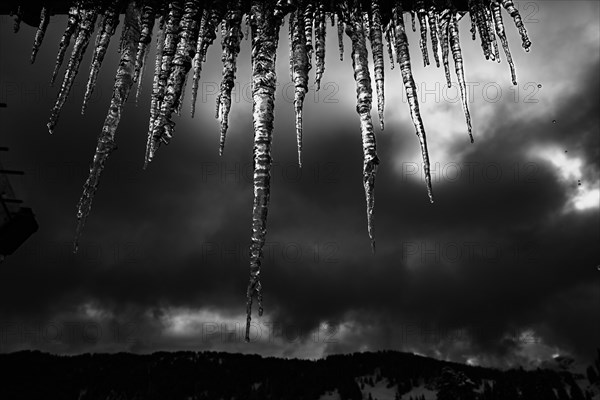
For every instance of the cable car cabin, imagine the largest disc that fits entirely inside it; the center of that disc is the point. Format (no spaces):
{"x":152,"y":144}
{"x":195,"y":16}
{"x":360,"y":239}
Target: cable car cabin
{"x":17,"y":223}
{"x":14,"y":231}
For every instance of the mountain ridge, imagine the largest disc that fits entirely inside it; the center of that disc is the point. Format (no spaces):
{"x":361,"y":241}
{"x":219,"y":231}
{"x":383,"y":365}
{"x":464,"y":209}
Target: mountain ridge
{"x":214,"y":375}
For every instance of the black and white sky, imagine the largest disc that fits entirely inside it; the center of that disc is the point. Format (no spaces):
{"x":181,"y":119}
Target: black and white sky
{"x":503,"y":269}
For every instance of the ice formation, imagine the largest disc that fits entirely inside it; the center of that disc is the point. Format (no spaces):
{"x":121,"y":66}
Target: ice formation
{"x":186,"y":29}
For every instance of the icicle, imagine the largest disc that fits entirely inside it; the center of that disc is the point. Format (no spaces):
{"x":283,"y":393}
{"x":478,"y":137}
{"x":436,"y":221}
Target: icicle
{"x":220,"y":93}
{"x":377,"y":49}
{"x":432,"y":20}
{"x":340,"y":31}
{"x":72,"y":25}
{"x":497,"y":12}
{"x":206,"y":36}
{"x":211,"y":27}
{"x":110,"y":20}
{"x":147,"y":25}
{"x":106,"y":139}
{"x":300,"y":68}
{"x":320,"y":29}
{"x":491,"y":27}
{"x":291,"y":29}
{"x":174,"y":71}
{"x":443,"y":22}
{"x":171,"y":31}
{"x":366,"y":24}
{"x":18,"y":19}
{"x":388,"y":36}
{"x":218,"y":102}
{"x":154,"y":100}
{"x":230,"y":43}
{"x":403,"y":58}
{"x":482,"y":25}
{"x":265,"y":33}
{"x":81,"y":43}
{"x":473,"y":18}
{"x":197,"y":61}
{"x":309,"y":15}
{"x":138,"y":80}
{"x":41,"y":31}
{"x":247,"y":32}
{"x":458,"y":65}
{"x":360,"y":64}
{"x":509,"y":6}
{"x":179,"y":103}
{"x":422,"y":16}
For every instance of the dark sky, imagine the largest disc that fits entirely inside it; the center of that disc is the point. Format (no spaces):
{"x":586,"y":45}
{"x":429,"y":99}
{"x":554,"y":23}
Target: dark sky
{"x":501,"y":270}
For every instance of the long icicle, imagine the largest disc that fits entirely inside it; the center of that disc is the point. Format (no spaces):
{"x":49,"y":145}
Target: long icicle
{"x":433,"y":29}
{"x":168,"y":52}
{"x":72,"y":25}
{"x":340,"y":32}
{"x":180,"y":65}
{"x":86,"y":29}
{"x":489,"y":17}
{"x":106,"y":139}
{"x":110,"y":20}
{"x":231,"y":48}
{"x":154,"y":101}
{"x":458,"y":65}
{"x":403,"y":59}
{"x":360,"y":64}
{"x":265,"y":34}
{"x":41,"y":32}
{"x":389,"y":35}
{"x":443,"y":19}
{"x":422,"y":16}
{"x":377,"y":49}
{"x":309,"y":15}
{"x":206,"y":37}
{"x":219,"y":93}
{"x":497,"y":12}
{"x":320,"y":29}
{"x":148,"y":18}
{"x":300,"y":68}
{"x":291,"y":31}
{"x":509,"y":6}
{"x":197,"y":61}
{"x":212,"y":24}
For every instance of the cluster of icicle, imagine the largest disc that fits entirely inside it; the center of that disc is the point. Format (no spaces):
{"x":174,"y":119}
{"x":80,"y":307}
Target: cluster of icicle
{"x":185,"y":31}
